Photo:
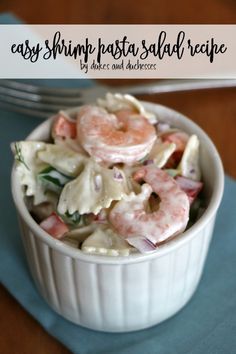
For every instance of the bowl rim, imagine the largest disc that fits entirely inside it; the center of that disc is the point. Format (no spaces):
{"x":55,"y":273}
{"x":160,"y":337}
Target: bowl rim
{"x":172,"y":245}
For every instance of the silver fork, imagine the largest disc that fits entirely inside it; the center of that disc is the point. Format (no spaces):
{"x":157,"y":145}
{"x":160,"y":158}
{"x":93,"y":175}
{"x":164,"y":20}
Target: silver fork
{"x":45,"y":101}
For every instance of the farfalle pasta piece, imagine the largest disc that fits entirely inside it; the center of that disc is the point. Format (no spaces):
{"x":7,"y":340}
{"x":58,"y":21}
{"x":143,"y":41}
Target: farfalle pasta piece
{"x":63,"y":159}
{"x":106,"y":242}
{"x":71,"y":144}
{"x":189,"y":164}
{"x":116,"y":102}
{"x":161,"y":153}
{"x":28,"y":166}
{"x":95,"y":188}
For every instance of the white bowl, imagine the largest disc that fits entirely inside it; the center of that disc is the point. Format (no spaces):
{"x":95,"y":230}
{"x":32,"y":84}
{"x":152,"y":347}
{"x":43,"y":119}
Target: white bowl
{"x":124,"y":293}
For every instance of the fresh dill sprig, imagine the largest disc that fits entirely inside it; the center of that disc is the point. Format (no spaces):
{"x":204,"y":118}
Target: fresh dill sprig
{"x":19,"y":156}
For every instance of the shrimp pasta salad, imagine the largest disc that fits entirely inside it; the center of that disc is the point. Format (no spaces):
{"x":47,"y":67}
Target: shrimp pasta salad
{"x":113,"y":179}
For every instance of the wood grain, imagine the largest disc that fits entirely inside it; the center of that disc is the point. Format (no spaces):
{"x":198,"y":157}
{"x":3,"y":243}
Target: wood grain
{"x":123,"y":11}
{"x":213,"y":110}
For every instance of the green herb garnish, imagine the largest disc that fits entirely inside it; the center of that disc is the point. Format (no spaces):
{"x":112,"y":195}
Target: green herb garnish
{"x":18,"y":155}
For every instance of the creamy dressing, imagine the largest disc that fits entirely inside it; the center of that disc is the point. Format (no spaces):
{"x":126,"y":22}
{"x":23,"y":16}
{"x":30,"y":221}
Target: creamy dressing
{"x":104,"y":188}
{"x":94,"y":189}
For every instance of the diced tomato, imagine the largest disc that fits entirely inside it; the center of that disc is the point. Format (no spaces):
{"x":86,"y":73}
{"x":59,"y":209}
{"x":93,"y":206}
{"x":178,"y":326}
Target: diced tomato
{"x":64,"y":127}
{"x":190,"y":187}
{"x":174,"y":160}
{"x":54,"y":226}
{"x":180,"y":140}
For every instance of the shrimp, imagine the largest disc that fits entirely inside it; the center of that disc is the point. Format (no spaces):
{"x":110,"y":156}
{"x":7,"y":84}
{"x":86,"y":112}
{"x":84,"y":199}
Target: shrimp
{"x":131,"y":219}
{"x":125,"y":137}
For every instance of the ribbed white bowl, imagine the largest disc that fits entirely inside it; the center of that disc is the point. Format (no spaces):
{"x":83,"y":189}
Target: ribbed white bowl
{"x":125,"y":293}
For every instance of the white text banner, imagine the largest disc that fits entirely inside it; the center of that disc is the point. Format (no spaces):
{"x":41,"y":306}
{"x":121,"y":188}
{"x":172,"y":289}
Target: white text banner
{"x":118,"y":51}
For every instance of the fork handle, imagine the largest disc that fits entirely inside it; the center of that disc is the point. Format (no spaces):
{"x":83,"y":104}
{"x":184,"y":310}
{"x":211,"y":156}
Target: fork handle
{"x":174,"y":85}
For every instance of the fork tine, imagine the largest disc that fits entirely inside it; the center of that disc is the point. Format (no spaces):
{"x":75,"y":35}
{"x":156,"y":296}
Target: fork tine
{"x":30,"y":105}
{"x":41,"y":90}
{"x":43,"y":101}
{"x":12,"y":92}
{"x":27,"y":111}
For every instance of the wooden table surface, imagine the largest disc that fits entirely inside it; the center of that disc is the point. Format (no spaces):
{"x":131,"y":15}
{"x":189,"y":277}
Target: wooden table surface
{"x":213,"y":110}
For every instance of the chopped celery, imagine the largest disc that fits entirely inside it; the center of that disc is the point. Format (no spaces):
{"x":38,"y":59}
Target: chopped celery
{"x":72,"y":219}
{"x":172,"y":172}
{"x":52,"y":179}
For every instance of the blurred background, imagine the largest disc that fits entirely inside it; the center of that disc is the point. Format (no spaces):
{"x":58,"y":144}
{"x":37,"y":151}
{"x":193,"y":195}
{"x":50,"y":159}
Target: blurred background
{"x":214,"y":110}
{"x":122,"y":11}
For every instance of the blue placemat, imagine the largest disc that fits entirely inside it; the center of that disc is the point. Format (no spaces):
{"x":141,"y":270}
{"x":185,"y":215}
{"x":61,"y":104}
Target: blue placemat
{"x":207,"y":325}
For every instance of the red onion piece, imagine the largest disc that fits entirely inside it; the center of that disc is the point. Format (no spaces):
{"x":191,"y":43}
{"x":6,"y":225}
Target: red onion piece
{"x":162,"y":127}
{"x":142,"y":244}
{"x":101,"y":217}
{"x":117,"y":175}
{"x":148,"y":162}
{"x":190,"y":187}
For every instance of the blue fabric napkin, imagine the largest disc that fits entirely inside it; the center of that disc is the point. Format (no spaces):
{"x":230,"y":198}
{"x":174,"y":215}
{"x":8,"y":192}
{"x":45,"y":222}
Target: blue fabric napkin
{"x":206,"y":325}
